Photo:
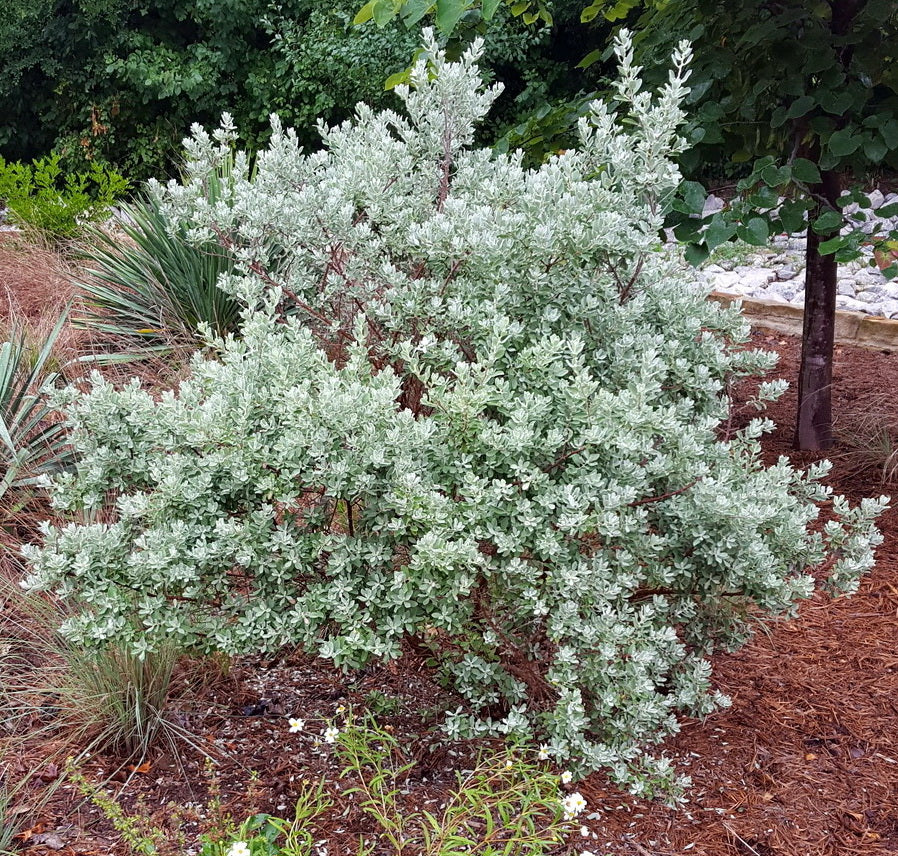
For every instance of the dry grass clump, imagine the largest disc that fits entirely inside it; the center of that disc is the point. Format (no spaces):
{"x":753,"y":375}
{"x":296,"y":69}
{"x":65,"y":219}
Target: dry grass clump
{"x":105,"y":700}
{"x":59,"y":701}
{"x":34,"y":277}
{"x":868,"y":438}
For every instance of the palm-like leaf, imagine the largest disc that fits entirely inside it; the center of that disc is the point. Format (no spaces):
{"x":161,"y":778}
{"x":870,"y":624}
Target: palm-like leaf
{"x":30,"y":445}
{"x":155,"y":290}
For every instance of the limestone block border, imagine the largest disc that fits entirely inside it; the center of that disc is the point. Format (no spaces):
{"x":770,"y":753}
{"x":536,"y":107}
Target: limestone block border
{"x":852,"y":328}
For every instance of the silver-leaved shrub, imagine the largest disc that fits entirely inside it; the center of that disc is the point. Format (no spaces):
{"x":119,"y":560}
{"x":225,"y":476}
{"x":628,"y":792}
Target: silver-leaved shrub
{"x":474,"y":408}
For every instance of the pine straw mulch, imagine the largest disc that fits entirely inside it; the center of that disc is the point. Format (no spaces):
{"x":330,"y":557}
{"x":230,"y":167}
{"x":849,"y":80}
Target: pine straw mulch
{"x":34,"y":284}
{"x":804,"y":763}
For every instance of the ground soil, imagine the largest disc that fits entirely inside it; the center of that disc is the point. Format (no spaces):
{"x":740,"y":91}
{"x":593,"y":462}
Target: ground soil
{"x":804,"y":762}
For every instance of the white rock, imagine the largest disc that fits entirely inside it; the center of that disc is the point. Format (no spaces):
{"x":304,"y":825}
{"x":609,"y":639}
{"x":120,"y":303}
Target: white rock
{"x":889,"y":308}
{"x":876,"y":198}
{"x":772,"y":297}
{"x":845,"y":287}
{"x":784,"y":289}
{"x":713,"y":204}
{"x":755,"y":278}
{"x":889,"y":289}
{"x":851,"y":304}
{"x":727,"y":281}
{"x":867,"y":277}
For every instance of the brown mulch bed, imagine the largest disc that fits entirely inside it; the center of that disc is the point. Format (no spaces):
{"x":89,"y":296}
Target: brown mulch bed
{"x":804,"y":763}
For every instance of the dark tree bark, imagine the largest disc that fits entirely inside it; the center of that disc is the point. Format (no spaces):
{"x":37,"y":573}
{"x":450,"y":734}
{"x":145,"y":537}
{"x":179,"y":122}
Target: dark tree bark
{"x":813,"y":429}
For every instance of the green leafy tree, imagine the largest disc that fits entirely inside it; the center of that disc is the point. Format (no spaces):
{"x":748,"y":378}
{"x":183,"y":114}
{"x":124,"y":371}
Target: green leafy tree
{"x":809,"y":90}
{"x":121,"y":81}
{"x":49,"y":52}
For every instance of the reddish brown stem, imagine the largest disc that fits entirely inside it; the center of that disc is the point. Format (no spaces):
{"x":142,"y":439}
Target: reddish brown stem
{"x":650,"y":499}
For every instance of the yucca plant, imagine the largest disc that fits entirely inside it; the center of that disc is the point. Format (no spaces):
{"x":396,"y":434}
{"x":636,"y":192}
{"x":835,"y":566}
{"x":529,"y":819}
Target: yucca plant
{"x":154,"y":288}
{"x":31,"y":446}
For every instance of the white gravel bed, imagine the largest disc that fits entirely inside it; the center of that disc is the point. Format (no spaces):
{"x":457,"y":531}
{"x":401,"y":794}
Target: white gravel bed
{"x":775,"y":273}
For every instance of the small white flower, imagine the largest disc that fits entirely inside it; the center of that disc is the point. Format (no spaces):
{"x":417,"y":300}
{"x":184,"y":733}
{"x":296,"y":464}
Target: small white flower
{"x":330,"y":734}
{"x":295,"y":724}
{"x":584,"y":831}
{"x":238,"y":848}
{"x":573,"y":804}
{"x":341,"y":709}
{"x":508,"y":763}
{"x":543,"y":752}
{"x":566,"y":777}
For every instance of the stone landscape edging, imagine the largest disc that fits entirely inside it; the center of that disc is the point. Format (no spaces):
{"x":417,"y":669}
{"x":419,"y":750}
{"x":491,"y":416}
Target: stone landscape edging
{"x":852,"y":328}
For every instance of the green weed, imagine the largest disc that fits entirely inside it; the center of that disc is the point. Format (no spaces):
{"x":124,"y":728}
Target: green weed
{"x":58,"y":204}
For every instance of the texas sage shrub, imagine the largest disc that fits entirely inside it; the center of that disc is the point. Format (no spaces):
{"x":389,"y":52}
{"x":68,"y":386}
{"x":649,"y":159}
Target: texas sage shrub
{"x":475,"y":408}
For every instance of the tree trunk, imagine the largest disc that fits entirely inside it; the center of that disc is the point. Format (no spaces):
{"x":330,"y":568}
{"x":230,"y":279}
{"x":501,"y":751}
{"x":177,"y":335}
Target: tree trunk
{"x":813,"y":429}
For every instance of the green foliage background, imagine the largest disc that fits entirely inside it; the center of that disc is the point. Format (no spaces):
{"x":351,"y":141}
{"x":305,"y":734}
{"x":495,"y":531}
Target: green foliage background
{"x":120,"y":82}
